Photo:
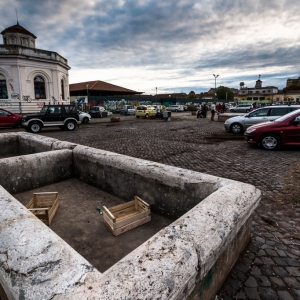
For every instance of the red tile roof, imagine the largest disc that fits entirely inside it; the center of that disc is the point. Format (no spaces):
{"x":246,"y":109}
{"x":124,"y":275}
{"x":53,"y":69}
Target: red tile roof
{"x":98,"y":85}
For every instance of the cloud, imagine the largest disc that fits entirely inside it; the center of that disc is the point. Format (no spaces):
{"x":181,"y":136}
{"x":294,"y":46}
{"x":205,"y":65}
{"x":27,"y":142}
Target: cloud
{"x":184,"y":40}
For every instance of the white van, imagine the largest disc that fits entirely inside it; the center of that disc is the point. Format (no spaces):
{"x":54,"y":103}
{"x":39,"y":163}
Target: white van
{"x":175,"y":108}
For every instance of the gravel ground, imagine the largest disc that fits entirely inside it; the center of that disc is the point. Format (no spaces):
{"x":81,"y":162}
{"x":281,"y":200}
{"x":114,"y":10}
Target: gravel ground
{"x":269,"y":266}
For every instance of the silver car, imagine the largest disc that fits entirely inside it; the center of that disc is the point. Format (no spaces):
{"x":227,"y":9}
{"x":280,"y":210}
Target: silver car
{"x":127,"y":110}
{"x":239,"y":124}
{"x":241,"y":108}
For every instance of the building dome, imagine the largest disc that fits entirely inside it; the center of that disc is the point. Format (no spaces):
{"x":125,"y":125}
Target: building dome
{"x":18,"y":35}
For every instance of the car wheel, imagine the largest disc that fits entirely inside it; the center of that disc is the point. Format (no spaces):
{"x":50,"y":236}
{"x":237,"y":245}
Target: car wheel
{"x":176,"y":110}
{"x":85,"y":120}
{"x":236,"y":128}
{"x":247,"y":110}
{"x":35,"y":127}
{"x":18,"y":123}
{"x":270,"y":142}
{"x":146,"y":116}
{"x":70,"y":125}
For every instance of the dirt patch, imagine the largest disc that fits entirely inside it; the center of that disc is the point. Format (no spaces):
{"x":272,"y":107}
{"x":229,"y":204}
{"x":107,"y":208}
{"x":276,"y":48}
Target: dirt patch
{"x":78,"y":222}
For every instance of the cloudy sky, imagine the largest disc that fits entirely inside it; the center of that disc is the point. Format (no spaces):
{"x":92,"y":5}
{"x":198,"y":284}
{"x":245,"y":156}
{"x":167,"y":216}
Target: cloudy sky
{"x":174,"y":45}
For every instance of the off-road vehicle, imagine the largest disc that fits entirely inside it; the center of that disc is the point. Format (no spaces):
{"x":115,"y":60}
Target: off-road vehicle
{"x":63,"y":116}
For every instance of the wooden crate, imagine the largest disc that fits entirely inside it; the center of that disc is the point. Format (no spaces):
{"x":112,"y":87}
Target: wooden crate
{"x":44,"y":206}
{"x":127,"y":216}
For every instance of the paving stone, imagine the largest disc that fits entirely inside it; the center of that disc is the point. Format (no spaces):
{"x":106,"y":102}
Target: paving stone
{"x":289,"y":254}
{"x":296,"y":252}
{"x":258,"y":261}
{"x":265,"y":246}
{"x":287,"y":242}
{"x":281,"y":253}
{"x":277,"y":282}
{"x":267,"y":271}
{"x":271,"y":252}
{"x":263,"y":281}
{"x":260,"y":240}
{"x":268,"y":260}
{"x":295,"y":294}
{"x":235,"y":284}
{"x":271,"y":243}
{"x":280,"y":261}
{"x":284,"y":295}
{"x":261,"y":252}
{"x":255,"y":271}
{"x":267,"y":293}
{"x":251,"y":282}
{"x":251,"y":293}
{"x":241,"y":267}
{"x":292,"y":262}
{"x":293,"y":271}
{"x":292,"y":282}
{"x":281,"y":272}
{"x":241,"y":295}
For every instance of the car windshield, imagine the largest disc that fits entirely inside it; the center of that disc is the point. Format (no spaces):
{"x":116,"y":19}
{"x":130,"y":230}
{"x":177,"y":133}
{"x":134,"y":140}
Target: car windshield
{"x":284,"y":117}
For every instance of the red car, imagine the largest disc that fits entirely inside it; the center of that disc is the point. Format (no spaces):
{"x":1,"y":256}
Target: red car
{"x":9,"y":119}
{"x":284,"y":131}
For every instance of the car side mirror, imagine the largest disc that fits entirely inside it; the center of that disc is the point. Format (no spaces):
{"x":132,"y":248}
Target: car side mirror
{"x":294,"y":122}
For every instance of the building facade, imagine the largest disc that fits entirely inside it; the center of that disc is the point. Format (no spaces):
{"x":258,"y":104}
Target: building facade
{"x":257,"y":94}
{"x":30,"y":77}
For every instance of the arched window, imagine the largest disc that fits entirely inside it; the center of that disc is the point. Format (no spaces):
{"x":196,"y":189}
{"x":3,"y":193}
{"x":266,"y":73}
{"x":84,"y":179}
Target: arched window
{"x":3,"y":88}
{"x":62,"y":87}
{"x":39,"y":87}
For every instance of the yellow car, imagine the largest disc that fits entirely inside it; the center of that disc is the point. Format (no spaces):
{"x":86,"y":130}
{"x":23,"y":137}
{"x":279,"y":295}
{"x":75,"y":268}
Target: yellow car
{"x":145,"y":111}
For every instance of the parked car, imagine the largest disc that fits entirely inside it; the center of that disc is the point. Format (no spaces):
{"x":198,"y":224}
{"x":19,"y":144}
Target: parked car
{"x":84,"y":117}
{"x":98,"y":112}
{"x":145,"y":111}
{"x":280,"y":132}
{"x":175,"y":108}
{"x":127,"y":110}
{"x":9,"y":119}
{"x":240,"y":108}
{"x":62,"y":116}
{"x":239,"y":124}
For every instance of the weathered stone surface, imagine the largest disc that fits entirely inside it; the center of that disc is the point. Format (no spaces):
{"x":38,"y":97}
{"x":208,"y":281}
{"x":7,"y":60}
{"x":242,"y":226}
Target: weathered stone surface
{"x":214,"y":228}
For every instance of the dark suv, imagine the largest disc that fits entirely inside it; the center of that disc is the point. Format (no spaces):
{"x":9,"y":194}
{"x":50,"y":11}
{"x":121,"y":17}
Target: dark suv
{"x":62,"y":116}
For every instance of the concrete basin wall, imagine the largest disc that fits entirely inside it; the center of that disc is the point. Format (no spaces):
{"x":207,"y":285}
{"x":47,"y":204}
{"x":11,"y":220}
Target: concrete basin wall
{"x":23,"y":173}
{"x":188,"y":259}
{"x":9,"y":144}
{"x":170,"y":191}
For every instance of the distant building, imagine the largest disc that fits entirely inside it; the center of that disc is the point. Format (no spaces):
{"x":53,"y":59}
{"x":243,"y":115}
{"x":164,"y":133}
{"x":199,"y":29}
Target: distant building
{"x":290,"y":82}
{"x":258,"y":93}
{"x":30,"y":77}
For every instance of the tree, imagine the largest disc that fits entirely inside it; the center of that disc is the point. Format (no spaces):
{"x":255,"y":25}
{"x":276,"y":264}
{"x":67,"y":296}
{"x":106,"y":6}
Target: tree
{"x":191,"y":95}
{"x":224,"y":92}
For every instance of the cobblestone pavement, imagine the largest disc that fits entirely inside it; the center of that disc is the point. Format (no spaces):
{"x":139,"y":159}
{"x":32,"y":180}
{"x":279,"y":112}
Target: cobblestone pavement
{"x":269,"y":266}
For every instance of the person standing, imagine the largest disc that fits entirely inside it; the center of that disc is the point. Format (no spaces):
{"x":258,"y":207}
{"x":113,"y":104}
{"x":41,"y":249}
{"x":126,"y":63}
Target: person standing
{"x":213,"y":111}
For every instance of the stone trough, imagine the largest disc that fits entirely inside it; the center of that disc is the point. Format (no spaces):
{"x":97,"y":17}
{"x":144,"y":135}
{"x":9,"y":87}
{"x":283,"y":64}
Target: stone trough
{"x":188,"y":259}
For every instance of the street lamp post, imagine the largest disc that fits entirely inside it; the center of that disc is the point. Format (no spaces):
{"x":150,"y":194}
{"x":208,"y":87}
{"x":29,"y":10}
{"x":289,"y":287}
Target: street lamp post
{"x":216,"y":76}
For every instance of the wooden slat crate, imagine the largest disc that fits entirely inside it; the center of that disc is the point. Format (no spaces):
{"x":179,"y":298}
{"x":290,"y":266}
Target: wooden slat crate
{"x":44,"y":206}
{"x":124,"y":217}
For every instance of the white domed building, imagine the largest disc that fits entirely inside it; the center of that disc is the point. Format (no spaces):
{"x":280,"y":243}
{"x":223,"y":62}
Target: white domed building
{"x":30,"y":77}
